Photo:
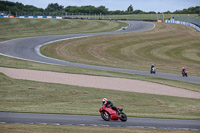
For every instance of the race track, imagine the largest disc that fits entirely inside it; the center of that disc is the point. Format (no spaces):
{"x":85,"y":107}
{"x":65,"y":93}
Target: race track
{"x":28,"y":49}
{"x":81,"y":120}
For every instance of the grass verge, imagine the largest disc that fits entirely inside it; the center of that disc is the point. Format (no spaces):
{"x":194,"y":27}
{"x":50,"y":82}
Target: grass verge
{"x":37,"y":97}
{"x":12,"y":28}
{"x":168,"y":52}
{"x":25,"y":128}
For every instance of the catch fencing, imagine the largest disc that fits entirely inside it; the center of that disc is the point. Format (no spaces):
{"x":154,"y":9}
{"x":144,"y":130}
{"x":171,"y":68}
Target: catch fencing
{"x":5,"y":13}
{"x":145,"y":17}
{"x":100,"y":16}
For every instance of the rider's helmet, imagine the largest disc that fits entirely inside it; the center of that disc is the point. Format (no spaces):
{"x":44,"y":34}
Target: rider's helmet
{"x":183,"y":67}
{"x":104,"y":100}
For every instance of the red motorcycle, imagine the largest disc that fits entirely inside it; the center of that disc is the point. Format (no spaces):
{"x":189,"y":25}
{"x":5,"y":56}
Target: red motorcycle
{"x":108,"y":113}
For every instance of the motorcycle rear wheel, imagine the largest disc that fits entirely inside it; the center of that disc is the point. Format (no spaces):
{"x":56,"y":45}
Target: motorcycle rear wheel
{"x":105,"y":116}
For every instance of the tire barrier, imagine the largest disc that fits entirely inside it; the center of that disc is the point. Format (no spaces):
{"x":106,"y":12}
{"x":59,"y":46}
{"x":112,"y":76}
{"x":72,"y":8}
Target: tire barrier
{"x":184,"y":23}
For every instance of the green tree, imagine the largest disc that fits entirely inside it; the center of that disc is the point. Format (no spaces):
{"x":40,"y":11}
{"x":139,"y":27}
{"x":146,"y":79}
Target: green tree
{"x":191,"y":10}
{"x":130,"y":8}
{"x":151,"y":12}
{"x":88,"y":9}
{"x":167,"y":12}
{"x":102,"y":10}
{"x":139,"y":12}
{"x":54,"y":7}
{"x":73,"y":9}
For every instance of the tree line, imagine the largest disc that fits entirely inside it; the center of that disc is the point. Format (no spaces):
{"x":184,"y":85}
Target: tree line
{"x":55,"y":7}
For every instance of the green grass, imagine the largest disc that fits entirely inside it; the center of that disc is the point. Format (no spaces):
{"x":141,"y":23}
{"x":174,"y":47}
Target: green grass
{"x":129,"y":57}
{"x":25,"y":128}
{"x":11,"y":28}
{"x":169,"y":47}
{"x":29,"y":96}
{"x":146,"y":16}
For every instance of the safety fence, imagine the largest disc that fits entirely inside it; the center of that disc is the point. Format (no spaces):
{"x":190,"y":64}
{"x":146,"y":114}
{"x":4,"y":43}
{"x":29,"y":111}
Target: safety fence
{"x":53,"y":17}
{"x":184,"y":23}
{"x":192,"y":18}
{"x":98,"y":17}
{"x":50,"y":17}
{"x":6,"y":16}
{"x":5,"y":13}
{"x":101,"y":16}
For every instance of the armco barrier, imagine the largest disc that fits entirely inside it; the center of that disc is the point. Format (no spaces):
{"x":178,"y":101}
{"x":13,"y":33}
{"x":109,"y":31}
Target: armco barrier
{"x":50,"y":17}
{"x":4,"y":16}
{"x":184,"y":23}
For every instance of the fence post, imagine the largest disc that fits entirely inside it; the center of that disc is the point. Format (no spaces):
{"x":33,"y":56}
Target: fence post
{"x":157,"y":16}
{"x":163,"y":18}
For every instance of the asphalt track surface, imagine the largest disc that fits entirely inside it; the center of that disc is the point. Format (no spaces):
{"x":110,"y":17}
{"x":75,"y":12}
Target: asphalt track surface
{"x":28,"y":49}
{"x":82,"y":120}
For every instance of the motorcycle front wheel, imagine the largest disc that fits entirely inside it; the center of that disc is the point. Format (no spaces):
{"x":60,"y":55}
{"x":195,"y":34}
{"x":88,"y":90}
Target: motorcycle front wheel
{"x":105,"y":116}
{"x":124,"y":117}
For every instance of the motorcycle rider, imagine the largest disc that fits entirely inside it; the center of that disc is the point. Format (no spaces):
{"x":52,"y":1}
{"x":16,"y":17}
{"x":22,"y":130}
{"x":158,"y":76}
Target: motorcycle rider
{"x":152,"y":66}
{"x":184,"y":72}
{"x":110,"y":104}
{"x":153,"y":69}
